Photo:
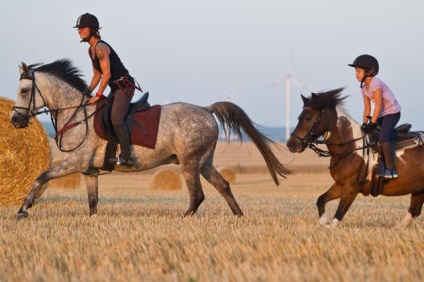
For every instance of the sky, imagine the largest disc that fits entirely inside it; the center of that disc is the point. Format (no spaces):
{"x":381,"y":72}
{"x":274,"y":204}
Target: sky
{"x":201,"y":52}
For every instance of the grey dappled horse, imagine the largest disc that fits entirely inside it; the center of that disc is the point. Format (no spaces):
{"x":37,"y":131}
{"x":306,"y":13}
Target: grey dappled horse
{"x":187,"y":135}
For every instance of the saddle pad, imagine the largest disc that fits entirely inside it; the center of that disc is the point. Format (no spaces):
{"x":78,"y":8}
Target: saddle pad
{"x":148,"y":120}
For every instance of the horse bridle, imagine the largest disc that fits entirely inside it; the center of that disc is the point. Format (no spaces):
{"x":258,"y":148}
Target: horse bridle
{"x":34,"y":112}
{"x":310,"y":136}
{"x":31,"y":112}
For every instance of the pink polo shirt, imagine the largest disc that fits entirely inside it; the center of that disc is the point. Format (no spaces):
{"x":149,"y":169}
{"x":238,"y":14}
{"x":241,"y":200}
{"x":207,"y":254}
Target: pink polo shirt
{"x":390,"y":104}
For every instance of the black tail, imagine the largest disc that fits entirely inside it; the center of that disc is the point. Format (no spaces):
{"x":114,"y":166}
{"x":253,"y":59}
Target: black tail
{"x":234,"y":119}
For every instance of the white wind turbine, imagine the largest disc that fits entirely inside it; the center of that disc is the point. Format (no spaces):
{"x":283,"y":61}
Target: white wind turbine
{"x":288,"y":78}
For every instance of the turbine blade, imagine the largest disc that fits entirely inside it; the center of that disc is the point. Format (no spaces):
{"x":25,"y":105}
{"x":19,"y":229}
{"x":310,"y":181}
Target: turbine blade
{"x":297,"y":82}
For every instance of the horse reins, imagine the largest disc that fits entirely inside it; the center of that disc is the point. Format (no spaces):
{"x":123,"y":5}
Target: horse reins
{"x":309,"y":140}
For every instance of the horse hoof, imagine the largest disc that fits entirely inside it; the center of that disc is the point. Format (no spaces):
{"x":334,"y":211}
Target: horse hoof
{"x":332,"y":224}
{"x":21,"y":215}
{"x":324,"y":220}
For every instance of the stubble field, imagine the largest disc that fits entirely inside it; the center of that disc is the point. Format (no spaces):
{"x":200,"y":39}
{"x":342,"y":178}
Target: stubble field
{"x":139,"y":234}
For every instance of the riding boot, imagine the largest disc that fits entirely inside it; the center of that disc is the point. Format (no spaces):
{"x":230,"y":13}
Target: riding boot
{"x":389,"y":154}
{"x":125,"y":157}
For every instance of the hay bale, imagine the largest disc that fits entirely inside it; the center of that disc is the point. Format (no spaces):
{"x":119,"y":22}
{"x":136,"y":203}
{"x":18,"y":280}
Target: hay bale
{"x":228,"y":174}
{"x":71,"y":181}
{"x":165,"y":179}
{"x":24,"y":154}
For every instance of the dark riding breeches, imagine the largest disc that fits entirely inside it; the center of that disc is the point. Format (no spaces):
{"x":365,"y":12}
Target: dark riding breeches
{"x":120,"y":105}
{"x":387,"y":124}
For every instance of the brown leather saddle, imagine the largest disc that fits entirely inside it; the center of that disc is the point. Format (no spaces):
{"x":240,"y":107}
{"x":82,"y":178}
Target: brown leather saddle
{"x":141,"y":120}
{"x":403,"y":139}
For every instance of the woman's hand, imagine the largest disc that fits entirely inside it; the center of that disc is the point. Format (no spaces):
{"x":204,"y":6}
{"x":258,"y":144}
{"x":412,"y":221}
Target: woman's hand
{"x":94,"y":99}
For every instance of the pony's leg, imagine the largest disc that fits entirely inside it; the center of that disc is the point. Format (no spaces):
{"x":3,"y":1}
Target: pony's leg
{"x":93,"y":192}
{"x":192,"y":178}
{"x":215,"y":178}
{"x":348,"y":195}
{"x":415,"y":207}
{"x":333,"y":193}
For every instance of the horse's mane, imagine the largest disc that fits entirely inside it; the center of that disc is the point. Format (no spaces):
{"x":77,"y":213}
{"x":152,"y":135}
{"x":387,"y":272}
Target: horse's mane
{"x":322,"y":100}
{"x":64,"y":70}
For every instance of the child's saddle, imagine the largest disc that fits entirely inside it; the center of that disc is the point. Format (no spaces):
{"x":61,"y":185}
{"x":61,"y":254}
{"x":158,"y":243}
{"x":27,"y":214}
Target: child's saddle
{"x":403,"y":139}
{"x":141,"y":120}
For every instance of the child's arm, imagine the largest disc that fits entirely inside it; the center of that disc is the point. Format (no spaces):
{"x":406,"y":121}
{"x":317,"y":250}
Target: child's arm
{"x":378,"y":100}
{"x":367,"y":109}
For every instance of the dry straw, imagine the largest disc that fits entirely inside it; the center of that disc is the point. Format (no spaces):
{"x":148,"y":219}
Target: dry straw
{"x":228,"y":174}
{"x":24,"y":154}
{"x":71,"y":181}
{"x":166,"y":179}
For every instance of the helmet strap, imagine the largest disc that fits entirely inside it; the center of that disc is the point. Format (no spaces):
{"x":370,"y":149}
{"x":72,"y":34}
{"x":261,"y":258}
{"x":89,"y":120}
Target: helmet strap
{"x":367,"y":73}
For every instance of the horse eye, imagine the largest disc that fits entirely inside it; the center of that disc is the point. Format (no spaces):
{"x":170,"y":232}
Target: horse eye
{"x":24,"y":91}
{"x":309,"y":118}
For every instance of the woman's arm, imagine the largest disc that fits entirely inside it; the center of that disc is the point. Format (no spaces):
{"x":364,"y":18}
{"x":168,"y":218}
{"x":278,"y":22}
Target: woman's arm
{"x":95,"y":80}
{"x":103,"y":55}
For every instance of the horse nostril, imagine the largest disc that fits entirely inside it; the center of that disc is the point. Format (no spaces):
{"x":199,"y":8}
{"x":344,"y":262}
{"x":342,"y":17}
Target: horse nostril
{"x":289,"y":144}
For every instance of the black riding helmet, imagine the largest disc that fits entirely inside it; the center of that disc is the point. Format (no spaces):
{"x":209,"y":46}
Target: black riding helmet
{"x":368,"y":63}
{"x":87,"y":20}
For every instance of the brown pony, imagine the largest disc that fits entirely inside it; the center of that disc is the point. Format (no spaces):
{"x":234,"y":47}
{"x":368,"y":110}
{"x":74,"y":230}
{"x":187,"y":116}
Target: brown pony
{"x":352,"y":159}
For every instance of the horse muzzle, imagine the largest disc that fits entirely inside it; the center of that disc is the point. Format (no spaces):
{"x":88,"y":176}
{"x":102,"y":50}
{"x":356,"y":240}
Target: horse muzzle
{"x":18,"y":120}
{"x":295,"y":146}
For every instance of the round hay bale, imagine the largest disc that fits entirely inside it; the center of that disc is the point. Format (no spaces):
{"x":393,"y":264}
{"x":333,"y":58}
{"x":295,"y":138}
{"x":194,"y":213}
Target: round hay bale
{"x":166,"y":179}
{"x":24,"y":154}
{"x":228,"y":174}
{"x":71,"y":181}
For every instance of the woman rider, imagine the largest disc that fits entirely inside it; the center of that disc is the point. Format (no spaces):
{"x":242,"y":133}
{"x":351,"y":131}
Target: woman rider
{"x":109,"y":70}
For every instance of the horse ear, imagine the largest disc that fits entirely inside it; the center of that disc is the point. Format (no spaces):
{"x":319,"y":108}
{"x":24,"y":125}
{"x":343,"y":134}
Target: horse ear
{"x":304,"y":99}
{"x":314,"y":96}
{"x":24,"y":68}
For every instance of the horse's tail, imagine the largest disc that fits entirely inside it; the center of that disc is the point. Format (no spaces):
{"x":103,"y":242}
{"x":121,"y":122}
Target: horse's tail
{"x":234,"y":119}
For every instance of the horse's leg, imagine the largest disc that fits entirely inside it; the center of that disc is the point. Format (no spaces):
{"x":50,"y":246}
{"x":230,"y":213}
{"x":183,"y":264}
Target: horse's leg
{"x":415,"y":207}
{"x":215,"y":178}
{"x":348,"y":194}
{"x":63,"y":169}
{"x":192,"y":178}
{"x":30,"y":198}
{"x":333,"y":193}
{"x":93,"y":192}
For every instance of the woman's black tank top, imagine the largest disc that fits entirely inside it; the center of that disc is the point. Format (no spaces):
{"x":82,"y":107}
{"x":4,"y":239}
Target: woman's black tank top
{"x":117,"y":69}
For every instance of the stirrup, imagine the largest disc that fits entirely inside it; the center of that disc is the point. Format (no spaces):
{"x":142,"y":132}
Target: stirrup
{"x":120,"y":161}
